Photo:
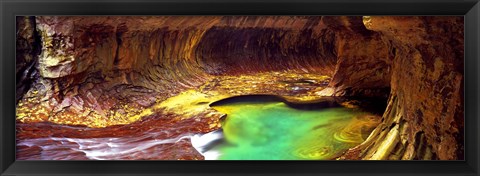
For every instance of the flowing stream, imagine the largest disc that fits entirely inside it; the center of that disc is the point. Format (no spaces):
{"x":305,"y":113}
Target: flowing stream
{"x":252,"y":130}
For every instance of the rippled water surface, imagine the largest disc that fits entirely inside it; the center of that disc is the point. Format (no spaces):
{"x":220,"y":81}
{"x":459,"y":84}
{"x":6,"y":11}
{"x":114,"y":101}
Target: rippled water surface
{"x":275,"y":131}
{"x":156,"y":138}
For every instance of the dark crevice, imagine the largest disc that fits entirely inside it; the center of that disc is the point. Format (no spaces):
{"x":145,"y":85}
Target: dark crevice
{"x":28,"y":73}
{"x":419,"y":145}
{"x":122,"y":28}
{"x":119,"y":42}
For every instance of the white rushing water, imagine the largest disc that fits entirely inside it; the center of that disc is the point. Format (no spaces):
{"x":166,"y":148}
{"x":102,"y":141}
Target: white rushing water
{"x":205,"y":144}
{"x":98,"y":148}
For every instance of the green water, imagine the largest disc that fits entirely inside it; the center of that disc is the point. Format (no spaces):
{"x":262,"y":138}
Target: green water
{"x":274,"y":131}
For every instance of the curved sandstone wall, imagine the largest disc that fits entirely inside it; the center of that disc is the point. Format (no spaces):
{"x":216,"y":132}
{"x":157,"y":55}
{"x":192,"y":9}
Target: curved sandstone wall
{"x":424,"y":118}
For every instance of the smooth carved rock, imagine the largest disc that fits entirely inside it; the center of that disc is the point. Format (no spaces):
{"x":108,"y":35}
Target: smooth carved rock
{"x":426,"y":83}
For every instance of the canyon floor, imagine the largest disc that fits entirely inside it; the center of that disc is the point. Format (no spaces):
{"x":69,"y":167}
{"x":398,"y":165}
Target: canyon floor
{"x":163,"y":130}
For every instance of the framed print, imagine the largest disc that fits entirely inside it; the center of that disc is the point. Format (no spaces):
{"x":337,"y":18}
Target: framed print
{"x":251,"y":87}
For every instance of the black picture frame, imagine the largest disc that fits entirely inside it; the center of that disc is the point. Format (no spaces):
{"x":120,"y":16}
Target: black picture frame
{"x":9,"y":9}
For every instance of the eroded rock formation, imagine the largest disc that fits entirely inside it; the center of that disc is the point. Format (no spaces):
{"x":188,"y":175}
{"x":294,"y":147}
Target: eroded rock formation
{"x":102,"y":71}
{"x":424,"y":117}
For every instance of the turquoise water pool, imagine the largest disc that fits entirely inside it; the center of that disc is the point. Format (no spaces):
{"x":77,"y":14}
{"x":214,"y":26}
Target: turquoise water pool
{"x":275,"y":131}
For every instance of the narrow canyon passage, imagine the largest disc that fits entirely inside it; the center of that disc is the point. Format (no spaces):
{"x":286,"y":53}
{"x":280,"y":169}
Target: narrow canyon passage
{"x":154,"y":88}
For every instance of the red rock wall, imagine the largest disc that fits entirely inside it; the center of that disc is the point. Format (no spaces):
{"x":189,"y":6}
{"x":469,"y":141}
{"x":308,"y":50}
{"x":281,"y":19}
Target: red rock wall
{"x":427,"y":78}
{"x":364,"y":59}
{"x":192,"y":46}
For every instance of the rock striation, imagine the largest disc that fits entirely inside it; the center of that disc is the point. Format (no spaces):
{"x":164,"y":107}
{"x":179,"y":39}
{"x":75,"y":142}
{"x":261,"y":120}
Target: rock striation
{"x":424,"y":117}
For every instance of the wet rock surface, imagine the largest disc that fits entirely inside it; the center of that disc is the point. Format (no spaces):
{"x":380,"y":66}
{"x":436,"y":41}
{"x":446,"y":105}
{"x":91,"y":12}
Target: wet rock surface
{"x":424,"y":117}
{"x":427,"y":80}
{"x":115,"y":72}
{"x":157,"y":137}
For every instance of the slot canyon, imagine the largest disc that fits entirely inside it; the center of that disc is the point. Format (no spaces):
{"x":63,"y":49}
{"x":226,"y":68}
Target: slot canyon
{"x":293,"y":87}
